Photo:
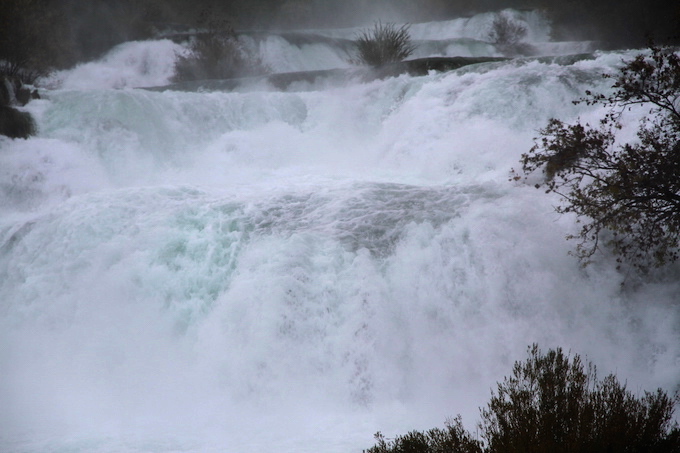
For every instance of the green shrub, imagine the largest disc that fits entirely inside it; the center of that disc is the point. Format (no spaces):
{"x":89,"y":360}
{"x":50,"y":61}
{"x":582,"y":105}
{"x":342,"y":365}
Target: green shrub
{"x":553,"y":403}
{"x":385,"y":43}
{"x":508,"y":35}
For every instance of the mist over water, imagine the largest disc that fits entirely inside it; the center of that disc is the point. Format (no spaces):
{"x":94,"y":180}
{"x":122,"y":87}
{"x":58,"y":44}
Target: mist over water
{"x":295,"y":270}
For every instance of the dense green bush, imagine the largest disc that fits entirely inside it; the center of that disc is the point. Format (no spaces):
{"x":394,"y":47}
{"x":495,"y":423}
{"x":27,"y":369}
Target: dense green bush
{"x":627,"y":196}
{"x":383,"y":44}
{"x":553,"y":403}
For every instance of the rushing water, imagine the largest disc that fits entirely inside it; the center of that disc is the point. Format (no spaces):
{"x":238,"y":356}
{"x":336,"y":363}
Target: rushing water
{"x":295,"y":270}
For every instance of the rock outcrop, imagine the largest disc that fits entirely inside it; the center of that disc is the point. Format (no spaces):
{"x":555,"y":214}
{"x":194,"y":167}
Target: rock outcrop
{"x":13,"y":122}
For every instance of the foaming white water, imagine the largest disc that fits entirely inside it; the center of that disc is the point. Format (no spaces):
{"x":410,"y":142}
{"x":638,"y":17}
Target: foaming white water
{"x":279,"y":54}
{"x":151,"y":63}
{"x":129,"y":65}
{"x":294,"y":271}
{"x":457,"y":37}
{"x":474,"y":27}
{"x":479,"y":25}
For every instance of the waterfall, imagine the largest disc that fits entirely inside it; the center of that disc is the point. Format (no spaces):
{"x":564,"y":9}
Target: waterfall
{"x":295,"y":270}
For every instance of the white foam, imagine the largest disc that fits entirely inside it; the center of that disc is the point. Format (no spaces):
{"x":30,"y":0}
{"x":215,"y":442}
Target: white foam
{"x":128,"y":65}
{"x":294,"y":271}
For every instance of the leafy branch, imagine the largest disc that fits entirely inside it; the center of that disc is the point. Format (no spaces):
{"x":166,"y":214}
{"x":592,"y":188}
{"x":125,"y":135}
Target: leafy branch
{"x":631,"y":192}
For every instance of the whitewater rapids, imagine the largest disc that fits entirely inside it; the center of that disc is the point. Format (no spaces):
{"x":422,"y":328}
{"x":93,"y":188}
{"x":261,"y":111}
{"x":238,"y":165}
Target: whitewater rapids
{"x":295,"y":270}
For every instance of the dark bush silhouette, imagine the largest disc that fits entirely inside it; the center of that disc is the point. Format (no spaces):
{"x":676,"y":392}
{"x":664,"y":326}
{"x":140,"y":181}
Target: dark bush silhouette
{"x":506,"y":31}
{"x":383,"y":44}
{"x":454,"y":438}
{"x":508,"y":35}
{"x":628,"y":195}
{"x":216,"y":53}
{"x":553,"y":403}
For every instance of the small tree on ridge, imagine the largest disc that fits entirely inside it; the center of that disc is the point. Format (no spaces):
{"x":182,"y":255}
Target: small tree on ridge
{"x":216,"y":53}
{"x":506,"y":31}
{"x":385,"y":43}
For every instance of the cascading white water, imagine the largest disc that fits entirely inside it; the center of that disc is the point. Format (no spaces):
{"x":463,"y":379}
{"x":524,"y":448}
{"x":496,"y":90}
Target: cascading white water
{"x":294,"y":271}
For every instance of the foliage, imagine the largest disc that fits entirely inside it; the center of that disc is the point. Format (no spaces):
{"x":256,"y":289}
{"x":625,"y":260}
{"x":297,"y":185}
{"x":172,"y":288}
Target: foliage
{"x":553,"y":403}
{"x":454,"y":438}
{"x":385,"y":43}
{"x":506,"y":31}
{"x":630,"y":193}
{"x":508,"y":35}
{"x":216,"y":53}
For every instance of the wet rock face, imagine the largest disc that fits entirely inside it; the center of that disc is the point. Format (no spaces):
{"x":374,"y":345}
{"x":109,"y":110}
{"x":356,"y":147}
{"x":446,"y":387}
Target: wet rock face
{"x":6,"y":91}
{"x":25,"y":95}
{"x":14,"y":92}
{"x":15,"y":123}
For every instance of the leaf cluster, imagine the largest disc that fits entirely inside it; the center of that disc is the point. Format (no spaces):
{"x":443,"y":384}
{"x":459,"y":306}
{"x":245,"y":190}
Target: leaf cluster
{"x":554,"y":403}
{"x":627,"y":193}
{"x":383,"y":44}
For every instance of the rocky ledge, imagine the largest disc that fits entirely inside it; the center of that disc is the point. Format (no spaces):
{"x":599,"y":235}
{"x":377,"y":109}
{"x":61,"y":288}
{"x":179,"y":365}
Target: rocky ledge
{"x":282,"y":81}
{"x":13,"y":122}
